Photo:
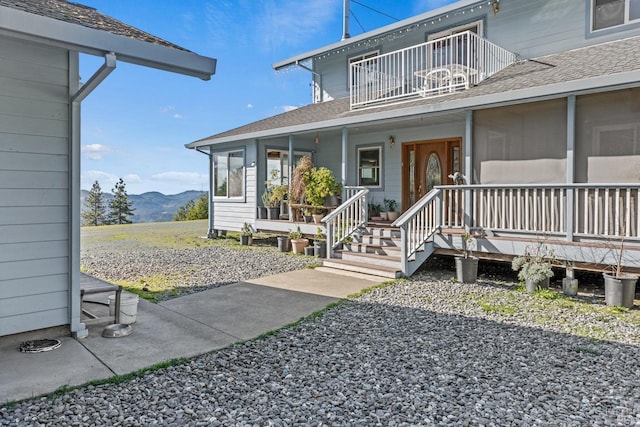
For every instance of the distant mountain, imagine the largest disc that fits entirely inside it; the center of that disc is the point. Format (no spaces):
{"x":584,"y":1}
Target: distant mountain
{"x":152,"y":206}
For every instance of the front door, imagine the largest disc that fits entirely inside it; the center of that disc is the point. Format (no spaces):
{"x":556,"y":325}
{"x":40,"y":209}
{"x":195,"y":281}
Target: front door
{"x":426,"y":164}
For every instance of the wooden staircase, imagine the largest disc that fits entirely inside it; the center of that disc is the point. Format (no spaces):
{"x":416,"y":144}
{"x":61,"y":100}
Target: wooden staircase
{"x":374,"y":250}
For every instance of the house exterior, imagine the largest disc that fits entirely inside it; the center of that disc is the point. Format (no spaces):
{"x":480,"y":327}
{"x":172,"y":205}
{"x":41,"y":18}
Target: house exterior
{"x":533,"y":104}
{"x":40,"y":98}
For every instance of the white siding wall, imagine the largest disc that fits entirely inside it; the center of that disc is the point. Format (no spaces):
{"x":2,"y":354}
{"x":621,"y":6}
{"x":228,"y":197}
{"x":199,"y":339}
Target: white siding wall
{"x":34,"y":182}
{"x":232,"y":215}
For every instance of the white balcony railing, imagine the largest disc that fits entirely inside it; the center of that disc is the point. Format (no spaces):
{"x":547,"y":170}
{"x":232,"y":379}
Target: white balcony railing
{"x":434,"y":68}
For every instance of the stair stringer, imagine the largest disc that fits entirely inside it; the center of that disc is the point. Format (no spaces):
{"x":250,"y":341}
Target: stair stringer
{"x":412,"y":265}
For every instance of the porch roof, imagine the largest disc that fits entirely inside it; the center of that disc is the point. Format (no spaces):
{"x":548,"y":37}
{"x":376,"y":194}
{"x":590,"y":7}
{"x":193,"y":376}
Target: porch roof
{"x":77,"y":27}
{"x":606,"y":66}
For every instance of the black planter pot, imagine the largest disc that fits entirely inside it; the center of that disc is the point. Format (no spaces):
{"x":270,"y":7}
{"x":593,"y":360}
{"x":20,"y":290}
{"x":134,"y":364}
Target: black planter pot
{"x":320,"y":249}
{"x":309,"y":250}
{"x":273,"y":213}
{"x":245,"y":240}
{"x":620,"y":291}
{"x":284,"y":244}
{"x":262,"y":212}
{"x":466,"y":269}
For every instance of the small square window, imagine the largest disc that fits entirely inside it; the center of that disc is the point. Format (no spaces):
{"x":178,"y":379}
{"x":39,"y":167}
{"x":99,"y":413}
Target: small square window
{"x":612,"y":13}
{"x":369,"y":166}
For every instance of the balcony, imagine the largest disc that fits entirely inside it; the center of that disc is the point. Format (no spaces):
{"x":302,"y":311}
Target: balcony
{"x":430,"y":69}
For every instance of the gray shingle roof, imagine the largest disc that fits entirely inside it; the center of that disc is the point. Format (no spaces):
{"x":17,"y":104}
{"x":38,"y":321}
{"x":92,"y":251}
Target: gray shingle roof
{"x":89,"y":17}
{"x":579,"y":64}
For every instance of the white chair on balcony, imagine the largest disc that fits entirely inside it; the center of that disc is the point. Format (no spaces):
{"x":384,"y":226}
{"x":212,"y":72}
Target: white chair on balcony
{"x":436,"y":81}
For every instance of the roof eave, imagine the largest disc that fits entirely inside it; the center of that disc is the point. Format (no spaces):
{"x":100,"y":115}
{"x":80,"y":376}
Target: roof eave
{"x":555,"y":90}
{"x":375,"y":33}
{"x":28,"y":26}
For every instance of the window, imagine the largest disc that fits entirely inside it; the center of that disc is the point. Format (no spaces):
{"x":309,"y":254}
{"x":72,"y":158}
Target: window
{"x":369,"y":166}
{"x":278,"y":165}
{"x":611,"y":13}
{"x":364,"y":72}
{"x":455,"y":50}
{"x":228,"y":174}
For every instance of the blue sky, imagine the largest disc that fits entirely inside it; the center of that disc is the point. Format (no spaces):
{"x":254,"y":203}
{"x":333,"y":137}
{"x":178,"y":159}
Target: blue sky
{"x":135,"y":124}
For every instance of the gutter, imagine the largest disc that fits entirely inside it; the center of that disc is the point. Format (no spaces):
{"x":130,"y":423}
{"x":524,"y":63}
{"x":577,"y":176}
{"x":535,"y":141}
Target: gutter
{"x":28,"y":26}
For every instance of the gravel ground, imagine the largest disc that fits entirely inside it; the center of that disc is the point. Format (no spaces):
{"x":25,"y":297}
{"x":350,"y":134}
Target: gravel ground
{"x":190,"y":270}
{"x":425,"y":351}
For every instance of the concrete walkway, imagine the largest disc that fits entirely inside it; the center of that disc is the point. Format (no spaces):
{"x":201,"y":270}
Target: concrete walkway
{"x":182,"y":327}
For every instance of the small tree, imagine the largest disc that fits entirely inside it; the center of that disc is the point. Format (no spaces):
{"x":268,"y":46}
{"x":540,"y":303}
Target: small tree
{"x":194,"y":209}
{"x":96,"y":210}
{"x":120,"y":205}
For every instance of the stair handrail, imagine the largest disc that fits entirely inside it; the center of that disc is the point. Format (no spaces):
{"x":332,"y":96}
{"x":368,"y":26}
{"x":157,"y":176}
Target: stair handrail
{"x":418,"y":224}
{"x":345,"y":219}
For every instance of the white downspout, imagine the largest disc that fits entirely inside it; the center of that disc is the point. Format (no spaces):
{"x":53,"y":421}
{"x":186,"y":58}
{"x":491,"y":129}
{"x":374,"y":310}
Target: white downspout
{"x":76,"y":95}
{"x":211,"y":232}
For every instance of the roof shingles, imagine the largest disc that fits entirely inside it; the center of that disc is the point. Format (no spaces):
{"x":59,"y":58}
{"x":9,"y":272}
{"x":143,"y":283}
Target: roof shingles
{"x":588,"y":62}
{"x":85,"y":16}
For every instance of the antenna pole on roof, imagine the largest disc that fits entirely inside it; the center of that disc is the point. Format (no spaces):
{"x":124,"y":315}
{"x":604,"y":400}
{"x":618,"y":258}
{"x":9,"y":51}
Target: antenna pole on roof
{"x":345,"y":26}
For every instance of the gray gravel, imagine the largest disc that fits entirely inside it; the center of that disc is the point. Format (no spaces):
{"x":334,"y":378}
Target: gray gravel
{"x":190,"y":270}
{"x":426,"y":351}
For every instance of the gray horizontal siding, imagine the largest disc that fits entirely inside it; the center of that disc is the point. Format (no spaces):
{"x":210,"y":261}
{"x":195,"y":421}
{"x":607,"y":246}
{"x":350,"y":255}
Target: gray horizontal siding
{"x":34,"y":187}
{"x":34,"y":285}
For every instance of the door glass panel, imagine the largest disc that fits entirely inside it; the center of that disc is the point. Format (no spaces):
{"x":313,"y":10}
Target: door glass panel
{"x":434,"y":172}
{"x":412,"y":177}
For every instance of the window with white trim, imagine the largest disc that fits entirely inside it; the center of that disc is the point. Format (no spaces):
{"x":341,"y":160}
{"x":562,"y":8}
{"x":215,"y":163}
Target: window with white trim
{"x":278,"y":165}
{"x":611,"y":13}
{"x":228,"y":175}
{"x":370,"y":166}
{"x":364,"y":72}
{"x":445,"y":51}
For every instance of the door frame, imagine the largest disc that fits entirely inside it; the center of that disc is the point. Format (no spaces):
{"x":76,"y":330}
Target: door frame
{"x":448,"y":164}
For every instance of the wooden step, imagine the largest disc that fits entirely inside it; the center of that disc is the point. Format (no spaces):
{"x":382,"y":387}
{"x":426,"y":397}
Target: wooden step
{"x":374,"y":260}
{"x":368,"y":248}
{"x":365,"y":268}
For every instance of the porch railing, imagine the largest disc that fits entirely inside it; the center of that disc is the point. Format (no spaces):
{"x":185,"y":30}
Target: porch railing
{"x":418,"y":224}
{"x":346,"y":219}
{"x":429,"y":69}
{"x":572,"y":211}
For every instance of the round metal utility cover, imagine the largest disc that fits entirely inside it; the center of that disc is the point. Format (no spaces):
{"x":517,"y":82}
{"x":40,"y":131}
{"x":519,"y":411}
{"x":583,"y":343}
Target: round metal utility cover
{"x":117,"y":330}
{"x":39,"y":346}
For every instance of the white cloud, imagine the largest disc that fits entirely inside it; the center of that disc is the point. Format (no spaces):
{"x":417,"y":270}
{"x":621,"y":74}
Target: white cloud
{"x":105,"y":179}
{"x":292,"y":22}
{"x":167,"y":109}
{"x":192,"y":179}
{"x":288,"y":108}
{"x":132,"y":178}
{"x":270,"y":24}
{"x":94,"y":151}
{"x":177,"y":116}
{"x":249,"y":105}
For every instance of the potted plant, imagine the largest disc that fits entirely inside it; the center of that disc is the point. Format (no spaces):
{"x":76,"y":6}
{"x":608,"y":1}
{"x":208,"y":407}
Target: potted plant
{"x":534,"y":268}
{"x":374,"y":210}
{"x":391,"y":206}
{"x":298,"y":242}
{"x":278,"y":194}
{"x":320,"y":244}
{"x":266,"y":195}
{"x":467,"y":264}
{"x":307,"y":215}
{"x":246,"y":235}
{"x":619,"y":286}
{"x":320,"y":183}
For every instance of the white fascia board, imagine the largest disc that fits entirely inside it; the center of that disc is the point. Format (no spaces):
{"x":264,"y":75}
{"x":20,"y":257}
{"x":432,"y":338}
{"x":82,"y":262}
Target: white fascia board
{"x":28,"y":26}
{"x":519,"y":96}
{"x":376,"y":33}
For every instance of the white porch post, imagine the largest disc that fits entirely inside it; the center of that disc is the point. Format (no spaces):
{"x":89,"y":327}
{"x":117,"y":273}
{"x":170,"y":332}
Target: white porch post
{"x":345,"y":140}
{"x":468,"y":168}
{"x":571,"y":143}
{"x":211,"y":232}
{"x":291,"y":166}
